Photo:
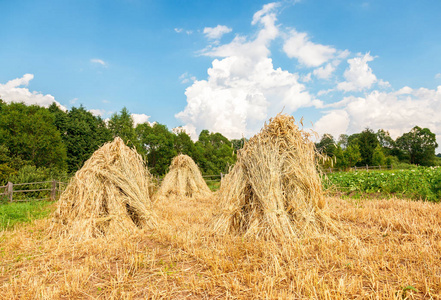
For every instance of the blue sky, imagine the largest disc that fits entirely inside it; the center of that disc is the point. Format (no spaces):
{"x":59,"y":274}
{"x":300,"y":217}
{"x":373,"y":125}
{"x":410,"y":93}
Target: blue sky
{"x":228,"y":66}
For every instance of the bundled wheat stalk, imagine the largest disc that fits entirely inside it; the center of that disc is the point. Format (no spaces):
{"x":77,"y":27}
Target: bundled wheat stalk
{"x":274,"y":189}
{"x":108,"y":195}
{"x":183,"y":180}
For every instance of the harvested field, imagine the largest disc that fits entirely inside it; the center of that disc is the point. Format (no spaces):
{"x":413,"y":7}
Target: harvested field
{"x":395,"y":252}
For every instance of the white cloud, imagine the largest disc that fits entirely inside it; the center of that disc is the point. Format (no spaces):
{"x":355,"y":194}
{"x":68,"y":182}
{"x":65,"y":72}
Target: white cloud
{"x":397,"y":112}
{"x":140,"y":119}
{"x":98,"y":61}
{"x":266,"y":10}
{"x":217,"y":32}
{"x":98,"y":112}
{"x":13,"y":91}
{"x":73,"y":101}
{"x":335,"y":123}
{"x":359,"y":75}
{"x":188,"y":129}
{"x":243,"y":88}
{"x":179,"y":30}
{"x":306,"y":78}
{"x":324,"y":72}
{"x":438,"y":76}
{"x":186,"y":78}
{"x":308,"y":53}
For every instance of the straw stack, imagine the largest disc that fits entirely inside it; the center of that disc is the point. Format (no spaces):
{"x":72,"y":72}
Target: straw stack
{"x":108,"y":195}
{"x":183,"y":180}
{"x":274,"y":190}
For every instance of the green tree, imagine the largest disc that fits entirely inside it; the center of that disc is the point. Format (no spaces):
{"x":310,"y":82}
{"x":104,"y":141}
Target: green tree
{"x":378,"y":157}
{"x":30,"y":134}
{"x":352,"y":155}
{"x":122,"y":125}
{"x":419,"y":144}
{"x":5,"y":170}
{"x":238,"y":143}
{"x":384,"y":139}
{"x":82,"y":133}
{"x":327,"y":145}
{"x":214,"y":153}
{"x":158,"y":144}
{"x":367,"y":141}
{"x":341,"y":161}
{"x":183,"y":144}
{"x":343,"y":141}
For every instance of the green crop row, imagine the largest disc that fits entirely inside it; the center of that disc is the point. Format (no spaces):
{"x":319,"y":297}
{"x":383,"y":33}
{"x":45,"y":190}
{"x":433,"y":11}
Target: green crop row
{"x":419,"y":183}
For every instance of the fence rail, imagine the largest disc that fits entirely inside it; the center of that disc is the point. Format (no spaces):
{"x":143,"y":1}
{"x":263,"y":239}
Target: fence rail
{"x":51,"y":191}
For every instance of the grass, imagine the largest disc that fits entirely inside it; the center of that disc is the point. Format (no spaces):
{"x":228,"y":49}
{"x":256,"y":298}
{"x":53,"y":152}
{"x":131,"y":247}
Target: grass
{"x":22,"y":212}
{"x":214,"y":185}
{"x":391,"y":250}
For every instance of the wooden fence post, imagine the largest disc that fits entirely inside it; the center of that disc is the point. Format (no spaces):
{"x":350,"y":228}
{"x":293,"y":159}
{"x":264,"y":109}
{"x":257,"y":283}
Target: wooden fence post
{"x":10,"y":190}
{"x":367,"y":168}
{"x":54,"y":190}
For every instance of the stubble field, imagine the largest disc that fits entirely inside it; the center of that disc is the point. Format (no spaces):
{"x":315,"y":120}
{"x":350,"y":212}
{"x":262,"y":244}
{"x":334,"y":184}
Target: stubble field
{"x":388,"y":249}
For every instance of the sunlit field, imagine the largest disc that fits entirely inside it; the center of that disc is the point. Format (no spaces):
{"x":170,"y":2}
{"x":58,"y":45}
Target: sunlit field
{"x":390,"y":249}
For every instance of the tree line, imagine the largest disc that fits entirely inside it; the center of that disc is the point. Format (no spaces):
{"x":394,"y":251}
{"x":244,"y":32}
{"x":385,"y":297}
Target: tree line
{"x":38,"y":142}
{"x":371,"y":148}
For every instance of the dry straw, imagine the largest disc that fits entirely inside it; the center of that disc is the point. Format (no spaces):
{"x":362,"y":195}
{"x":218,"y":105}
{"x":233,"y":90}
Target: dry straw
{"x":274,"y":190}
{"x":183,"y":180}
{"x":108,"y":195}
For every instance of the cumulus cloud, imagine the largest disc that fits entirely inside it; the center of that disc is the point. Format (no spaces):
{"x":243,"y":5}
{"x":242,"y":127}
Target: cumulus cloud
{"x":334,"y":122}
{"x":324,"y":72}
{"x":298,"y":46}
{"x":98,"y":61}
{"x":140,"y":119}
{"x":97,"y":112}
{"x":243,"y":87}
{"x":15,"y":91}
{"x":358,"y":75}
{"x":397,"y":112}
{"x":217,"y":32}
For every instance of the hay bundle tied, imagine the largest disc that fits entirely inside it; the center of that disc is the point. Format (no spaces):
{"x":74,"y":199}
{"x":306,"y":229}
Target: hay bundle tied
{"x":183,"y":180}
{"x":108,"y":195}
{"x":274,"y":190}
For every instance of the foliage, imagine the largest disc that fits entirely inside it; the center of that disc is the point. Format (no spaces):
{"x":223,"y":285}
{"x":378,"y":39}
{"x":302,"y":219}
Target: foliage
{"x":214,"y":153}
{"x":352,"y":155}
{"x":30,"y":134}
{"x":122,"y":125}
{"x":419,"y":144}
{"x":378,"y":157}
{"x":157,"y":143}
{"x":82,"y":133}
{"x":367,"y":142}
{"x":419,"y":183}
